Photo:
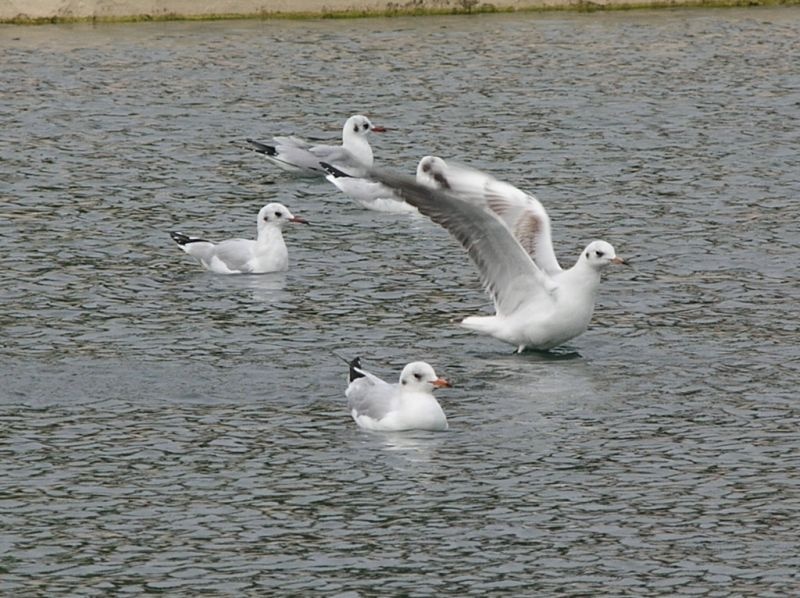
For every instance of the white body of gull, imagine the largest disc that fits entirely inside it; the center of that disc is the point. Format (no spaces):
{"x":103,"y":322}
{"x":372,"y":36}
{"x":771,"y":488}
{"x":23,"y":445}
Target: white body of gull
{"x":267,"y":253}
{"x":408,"y":405}
{"x":369,"y":193}
{"x":506,"y":232}
{"x":297,"y":155}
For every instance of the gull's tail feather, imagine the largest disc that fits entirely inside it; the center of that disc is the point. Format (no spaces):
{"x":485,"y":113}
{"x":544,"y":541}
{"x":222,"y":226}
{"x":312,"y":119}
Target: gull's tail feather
{"x":484,"y":324}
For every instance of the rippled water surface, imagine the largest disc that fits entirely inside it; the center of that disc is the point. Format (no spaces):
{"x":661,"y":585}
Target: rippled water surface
{"x":166,"y":430}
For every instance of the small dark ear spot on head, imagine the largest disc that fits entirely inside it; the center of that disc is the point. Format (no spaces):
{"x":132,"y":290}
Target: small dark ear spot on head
{"x":355,"y":127}
{"x":587,"y":255}
{"x":426,"y":167}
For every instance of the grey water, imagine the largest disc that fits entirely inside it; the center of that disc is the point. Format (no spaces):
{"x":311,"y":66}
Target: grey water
{"x":165,"y":430}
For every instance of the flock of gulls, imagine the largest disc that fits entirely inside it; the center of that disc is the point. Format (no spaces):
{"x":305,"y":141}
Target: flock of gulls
{"x":505,"y":231}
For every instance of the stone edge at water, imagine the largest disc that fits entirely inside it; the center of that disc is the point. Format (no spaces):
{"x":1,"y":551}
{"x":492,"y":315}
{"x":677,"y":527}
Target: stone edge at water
{"x":58,"y":11}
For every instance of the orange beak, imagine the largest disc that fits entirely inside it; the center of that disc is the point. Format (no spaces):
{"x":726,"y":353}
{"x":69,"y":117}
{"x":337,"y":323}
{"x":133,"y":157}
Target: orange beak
{"x":441,"y":383}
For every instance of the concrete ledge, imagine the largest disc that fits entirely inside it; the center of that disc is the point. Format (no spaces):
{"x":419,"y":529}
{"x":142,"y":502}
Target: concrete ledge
{"x":49,"y":11}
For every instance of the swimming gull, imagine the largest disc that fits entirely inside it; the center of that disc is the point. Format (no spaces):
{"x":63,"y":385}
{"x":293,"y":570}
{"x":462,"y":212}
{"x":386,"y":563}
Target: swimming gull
{"x":300,"y":156}
{"x":267,"y":253}
{"x":407,"y":405}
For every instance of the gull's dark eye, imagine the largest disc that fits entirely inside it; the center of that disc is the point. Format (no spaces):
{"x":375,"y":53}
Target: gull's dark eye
{"x":278,"y":214}
{"x":598,"y":253}
{"x":418,"y":376}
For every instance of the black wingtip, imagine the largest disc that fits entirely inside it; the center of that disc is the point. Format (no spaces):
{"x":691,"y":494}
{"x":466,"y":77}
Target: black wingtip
{"x":180,"y":238}
{"x":354,"y":373}
{"x":262,"y":148}
{"x":334,"y":171}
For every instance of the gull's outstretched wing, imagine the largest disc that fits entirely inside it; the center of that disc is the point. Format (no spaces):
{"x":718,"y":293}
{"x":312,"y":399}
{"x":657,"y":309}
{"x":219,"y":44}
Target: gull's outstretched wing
{"x":506,"y":270}
{"x":521,"y":212}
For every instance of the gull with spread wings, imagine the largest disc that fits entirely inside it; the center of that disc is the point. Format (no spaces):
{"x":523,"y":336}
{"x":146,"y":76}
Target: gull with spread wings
{"x":506,"y":232}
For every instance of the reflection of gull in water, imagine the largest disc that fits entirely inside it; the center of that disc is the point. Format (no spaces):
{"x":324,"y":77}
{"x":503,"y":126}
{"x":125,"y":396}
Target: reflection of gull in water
{"x":414,"y":446}
{"x":547,"y":397}
{"x":268,"y":288}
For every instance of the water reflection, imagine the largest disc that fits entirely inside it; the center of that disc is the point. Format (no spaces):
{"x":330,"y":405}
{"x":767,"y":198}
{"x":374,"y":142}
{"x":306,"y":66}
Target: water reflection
{"x":414,"y":446}
{"x":264,"y":288}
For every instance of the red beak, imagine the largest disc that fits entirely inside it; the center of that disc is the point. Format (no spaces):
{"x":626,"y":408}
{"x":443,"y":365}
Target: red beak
{"x":378,"y":129}
{"x":298,"y":220}
{"x":619,"y":260}
{"x":441,"y":383}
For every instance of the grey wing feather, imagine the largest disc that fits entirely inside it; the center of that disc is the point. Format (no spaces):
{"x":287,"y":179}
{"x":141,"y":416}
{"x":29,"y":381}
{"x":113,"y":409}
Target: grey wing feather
{"x":298,"y":157}
{"x":235,"y":254}
{"x":309,"y":157}
{"x":370,"y":396}
{"x":521,"y":212}
{"x":506,"y":270}
{"x":528,"y":221}
{"x":291,"y":141}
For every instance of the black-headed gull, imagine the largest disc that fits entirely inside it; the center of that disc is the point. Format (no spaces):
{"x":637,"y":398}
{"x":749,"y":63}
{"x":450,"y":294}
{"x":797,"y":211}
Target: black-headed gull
{"x":267,"y":253}
{"x":367,"y":192}
{"x":302,"y":157}
{"x":406,"y":405}
{"x":507,"y":235}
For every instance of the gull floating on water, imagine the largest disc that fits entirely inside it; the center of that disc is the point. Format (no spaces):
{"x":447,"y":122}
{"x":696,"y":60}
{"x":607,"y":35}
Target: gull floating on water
{"x":406,"y":405}
{"x":297,"y":155}
{"x":267,"y":253}
{"x":506,"y":233}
